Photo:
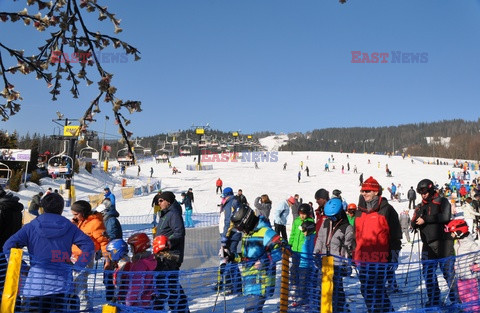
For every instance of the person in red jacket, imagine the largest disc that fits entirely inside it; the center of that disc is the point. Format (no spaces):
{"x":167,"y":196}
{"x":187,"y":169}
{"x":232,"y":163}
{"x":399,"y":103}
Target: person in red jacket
{"x":378,"y":239}
{"x":219,"y":185}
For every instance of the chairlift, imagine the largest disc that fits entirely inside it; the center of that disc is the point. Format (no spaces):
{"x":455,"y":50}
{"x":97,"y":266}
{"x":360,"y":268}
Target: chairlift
{"x":124,"y":157}
{"x":58,"y":165}
{"x":89,"y":154}
{"x":5,"y":174}
{"x":185,"y":149}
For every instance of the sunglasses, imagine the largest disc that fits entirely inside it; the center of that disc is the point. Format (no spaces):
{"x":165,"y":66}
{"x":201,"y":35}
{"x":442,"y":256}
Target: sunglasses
{"x":366,"y":191}
{"x":160,"y":200}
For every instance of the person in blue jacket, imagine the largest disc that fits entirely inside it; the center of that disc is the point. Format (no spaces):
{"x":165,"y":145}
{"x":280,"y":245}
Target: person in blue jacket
{"x":261,"y":250}
{"x":112,"y":225}
{"x":49,"y":239}
{"x":230,"y":237}
{"x":188,"y":209}
{"x":109,"y":195}
{"x":281,"y":215}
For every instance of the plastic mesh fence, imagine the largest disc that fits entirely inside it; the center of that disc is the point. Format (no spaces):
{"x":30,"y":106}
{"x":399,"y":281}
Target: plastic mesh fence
{"x":434,"y":286}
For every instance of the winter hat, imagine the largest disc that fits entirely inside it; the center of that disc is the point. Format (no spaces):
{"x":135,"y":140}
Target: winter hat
{"x":106,"y":188}
{"x":227,"y":192}
{"x":322,"y":194}
{"x":53,"y":203}
{"x":291,"y":200}
{"x":82,"y":207}
{"x":168,"y":196}
{"x":371,"y":184}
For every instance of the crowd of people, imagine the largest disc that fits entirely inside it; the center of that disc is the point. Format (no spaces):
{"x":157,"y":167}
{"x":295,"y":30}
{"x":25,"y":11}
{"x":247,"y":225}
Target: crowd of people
{"x":367,"y":233}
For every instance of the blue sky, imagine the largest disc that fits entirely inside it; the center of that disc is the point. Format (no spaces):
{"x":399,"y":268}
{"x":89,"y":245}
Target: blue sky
{"x":277,"y":65}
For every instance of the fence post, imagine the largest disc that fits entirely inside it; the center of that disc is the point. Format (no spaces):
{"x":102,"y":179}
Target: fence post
{"x":285,"y":280}
{"x":327,"y":285}
{"x":12,"y":279}
{"x":109,"y":309}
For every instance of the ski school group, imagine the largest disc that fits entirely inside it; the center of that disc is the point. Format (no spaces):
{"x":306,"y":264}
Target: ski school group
{"x":252,"y":242}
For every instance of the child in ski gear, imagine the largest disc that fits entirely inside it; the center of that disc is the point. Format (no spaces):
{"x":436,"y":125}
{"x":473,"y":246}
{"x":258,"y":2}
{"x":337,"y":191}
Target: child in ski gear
{"x":467,"y":267}
{"x":140,"y":286}
{"x":117,"y":250}
{"x":261,"y":250}
{"x":336,"y":237}
{"x":302,"y":246}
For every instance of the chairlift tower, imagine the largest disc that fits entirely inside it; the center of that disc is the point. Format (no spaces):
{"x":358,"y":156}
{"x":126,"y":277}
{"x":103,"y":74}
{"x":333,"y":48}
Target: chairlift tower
{"x":200,"y":131}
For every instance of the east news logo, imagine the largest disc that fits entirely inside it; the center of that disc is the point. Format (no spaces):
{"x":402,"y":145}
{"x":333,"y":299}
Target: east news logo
{"x":393,"y":57}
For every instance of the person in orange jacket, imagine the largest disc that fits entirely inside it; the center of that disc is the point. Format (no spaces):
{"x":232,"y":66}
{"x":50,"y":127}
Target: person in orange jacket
{"x":91,"y":223}
{"x":219,"y":184}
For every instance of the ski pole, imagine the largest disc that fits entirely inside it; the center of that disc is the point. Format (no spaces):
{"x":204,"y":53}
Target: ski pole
{"x":410,"y":258}
{"x":421,"y":283}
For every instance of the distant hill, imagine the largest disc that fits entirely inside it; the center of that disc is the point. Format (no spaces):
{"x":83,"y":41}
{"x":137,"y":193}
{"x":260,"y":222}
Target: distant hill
{"x":449,"y":139}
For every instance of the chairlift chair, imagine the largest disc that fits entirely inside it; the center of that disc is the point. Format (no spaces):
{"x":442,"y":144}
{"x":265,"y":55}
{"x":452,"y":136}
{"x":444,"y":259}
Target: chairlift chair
{"x":5,"y":174}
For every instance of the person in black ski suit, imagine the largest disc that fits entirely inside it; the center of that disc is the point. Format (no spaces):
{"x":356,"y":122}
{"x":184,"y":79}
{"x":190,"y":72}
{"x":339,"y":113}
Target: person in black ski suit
{"x":412,"y":196}
{"x":430,"y":218}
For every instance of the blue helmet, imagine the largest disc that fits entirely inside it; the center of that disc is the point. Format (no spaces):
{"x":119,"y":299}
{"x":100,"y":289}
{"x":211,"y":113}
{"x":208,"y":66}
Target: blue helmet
{"x":227,"y":192}
{"x":333,"y":207}
{"x":117,"y":249}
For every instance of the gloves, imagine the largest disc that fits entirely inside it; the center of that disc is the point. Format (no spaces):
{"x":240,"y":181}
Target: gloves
{"x":223,"y":241}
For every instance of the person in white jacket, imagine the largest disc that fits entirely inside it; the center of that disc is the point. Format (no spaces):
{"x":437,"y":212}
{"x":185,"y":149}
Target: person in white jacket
{"x":469,"y":214}
{"x":467,"y":264}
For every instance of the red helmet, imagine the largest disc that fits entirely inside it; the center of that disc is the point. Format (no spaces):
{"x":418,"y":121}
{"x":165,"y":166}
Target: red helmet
{"x":139,"y":242}
{"x":352,"y":206}
{"x":458,"y":227}
{"x":161,"y":243}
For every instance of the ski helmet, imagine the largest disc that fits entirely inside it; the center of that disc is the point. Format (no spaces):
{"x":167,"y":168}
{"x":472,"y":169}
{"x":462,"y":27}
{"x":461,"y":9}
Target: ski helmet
{"x":244,"y":219}
{"x":117,"y":249}
{"x":425,"y":186}
{"x":161,"y":243}
{"x":459,"y":227}
{"x":227,"y":192}
{"x":352,"y":207}
{"x":139,"y":242}
{"x":309,"y":227}
{"x":333,"y":207}
{"x":305,"y":209}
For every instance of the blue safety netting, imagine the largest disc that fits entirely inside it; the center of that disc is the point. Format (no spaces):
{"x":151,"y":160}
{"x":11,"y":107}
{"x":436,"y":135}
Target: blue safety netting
{"x":435,"y":286}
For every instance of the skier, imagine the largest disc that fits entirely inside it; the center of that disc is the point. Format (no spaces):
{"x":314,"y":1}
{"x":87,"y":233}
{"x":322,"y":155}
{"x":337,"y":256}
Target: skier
{"x":138,"y":171}
{"x":151,"y":172}
{"x":188,"y":210}
{"x":261,"y":250}
{"x":468,"y":276}
{"x":412,"y":196}
{"x":301,"y":253}
{"x":219,"y":185}
{"x":336,"y":237}
{"x":141,"y":286}
{"x":299,"y":176}
{"x":117,"y":250}
{"x":308,"y":171}
{"x":285,"y":166}
{"x":167,"y":260}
